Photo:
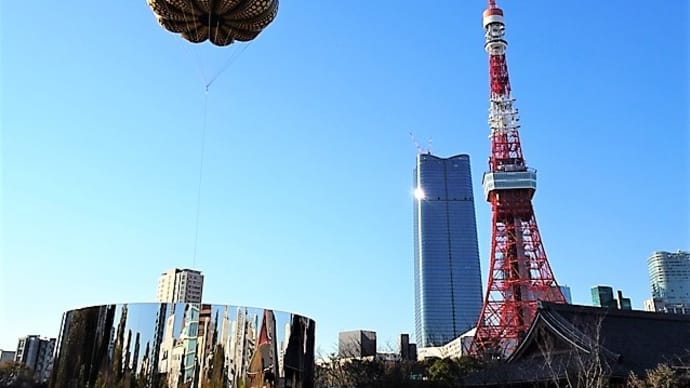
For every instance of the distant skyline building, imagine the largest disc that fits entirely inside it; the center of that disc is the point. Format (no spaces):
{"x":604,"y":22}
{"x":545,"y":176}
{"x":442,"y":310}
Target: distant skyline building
{"x":408,"y":351}
{"x":180,"y":286}
{"x":602,"y":296}
{"x":36,"y":353}
{"x":669,"y":278}
{"x":565,"y":290}
{"x":447,"y":274}
{"x":357,"y":343}
{"x":6,"y":356}
{"x":623,"y":302}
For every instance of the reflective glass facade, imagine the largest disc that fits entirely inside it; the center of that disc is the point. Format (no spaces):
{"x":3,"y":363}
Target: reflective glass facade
{"x":602,"y":296}
{"x":669,"y":277}
{"x":183,"y":345}
{"x":448,"y":289}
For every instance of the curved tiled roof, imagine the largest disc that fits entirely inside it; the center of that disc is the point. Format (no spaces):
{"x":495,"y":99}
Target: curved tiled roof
{"x":624,"y":341}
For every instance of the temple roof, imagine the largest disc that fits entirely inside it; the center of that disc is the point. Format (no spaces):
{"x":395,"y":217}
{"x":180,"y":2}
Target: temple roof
{"x":564,"y":337}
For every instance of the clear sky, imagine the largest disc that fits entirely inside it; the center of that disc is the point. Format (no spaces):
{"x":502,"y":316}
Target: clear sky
{"x":306,"y":202}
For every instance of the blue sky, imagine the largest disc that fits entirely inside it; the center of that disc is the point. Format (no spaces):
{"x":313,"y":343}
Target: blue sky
{"x":306,"y":201}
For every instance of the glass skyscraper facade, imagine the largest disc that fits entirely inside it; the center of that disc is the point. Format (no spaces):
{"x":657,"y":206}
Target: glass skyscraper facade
{"x":602,"y":296}
{"x":448,"y":285}
{"x":565,"y":290}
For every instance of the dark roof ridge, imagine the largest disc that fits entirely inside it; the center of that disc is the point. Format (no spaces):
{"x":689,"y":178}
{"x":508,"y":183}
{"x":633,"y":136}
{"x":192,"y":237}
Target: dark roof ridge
{"x":639,"y":314}
{"x":565,"y":329}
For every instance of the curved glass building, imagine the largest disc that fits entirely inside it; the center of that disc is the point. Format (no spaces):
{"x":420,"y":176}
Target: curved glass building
{"x":669,"y":277}
{"x":448,"y":285}
{"x":183,"y":345}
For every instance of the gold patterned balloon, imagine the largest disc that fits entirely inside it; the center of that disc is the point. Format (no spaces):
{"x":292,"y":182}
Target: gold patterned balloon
{"x":220,"y":21}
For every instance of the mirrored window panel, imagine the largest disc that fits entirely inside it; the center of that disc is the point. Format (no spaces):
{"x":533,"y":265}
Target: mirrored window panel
{"x":183,"y":345}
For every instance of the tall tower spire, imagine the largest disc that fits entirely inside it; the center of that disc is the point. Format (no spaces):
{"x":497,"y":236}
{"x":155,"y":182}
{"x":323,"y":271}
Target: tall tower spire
{"x":519,"y":272}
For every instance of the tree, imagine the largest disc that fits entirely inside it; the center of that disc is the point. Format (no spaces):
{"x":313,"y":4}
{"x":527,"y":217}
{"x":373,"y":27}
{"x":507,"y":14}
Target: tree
{"x":16,"y":375}
{"x":580,"y":365}
{"x":663,"y":376}
{"x":373,"y":372}
{"x":444,"y":371}
{"x":448,"y":372}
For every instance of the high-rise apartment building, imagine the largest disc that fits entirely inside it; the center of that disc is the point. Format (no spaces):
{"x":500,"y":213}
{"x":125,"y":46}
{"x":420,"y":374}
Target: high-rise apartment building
{"x":180,"y":286}
{"x":36,"y":353}
{"x":669,"y":277}
{"x":447,"y":275}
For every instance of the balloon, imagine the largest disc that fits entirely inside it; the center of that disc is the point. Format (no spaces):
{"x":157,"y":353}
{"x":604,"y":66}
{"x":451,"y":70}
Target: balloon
{"x":220,"y":21}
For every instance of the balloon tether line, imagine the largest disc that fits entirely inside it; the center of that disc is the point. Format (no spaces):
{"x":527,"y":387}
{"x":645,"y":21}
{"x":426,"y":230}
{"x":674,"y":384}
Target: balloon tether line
{"x":201,"y":171}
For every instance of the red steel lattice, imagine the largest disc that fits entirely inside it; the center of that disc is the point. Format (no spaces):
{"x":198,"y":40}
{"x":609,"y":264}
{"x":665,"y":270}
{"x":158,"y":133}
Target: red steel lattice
{"x":519,"y":271}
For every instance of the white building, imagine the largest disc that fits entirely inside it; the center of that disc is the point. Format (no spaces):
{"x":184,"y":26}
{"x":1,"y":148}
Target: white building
{"x":180,"y":286}
{"x":669,"y":278}
{"x":282,"y":349}
{"x":36,"y":353}
{"x":241,"y":344}
{"x":167,"y":344}
{"x":456,"y":348}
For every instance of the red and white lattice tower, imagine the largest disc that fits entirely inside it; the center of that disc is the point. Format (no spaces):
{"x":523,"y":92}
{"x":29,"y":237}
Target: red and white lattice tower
{"x":519,"y":272}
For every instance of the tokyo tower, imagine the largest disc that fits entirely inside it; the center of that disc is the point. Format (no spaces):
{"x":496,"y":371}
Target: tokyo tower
{"x":519,"y":272}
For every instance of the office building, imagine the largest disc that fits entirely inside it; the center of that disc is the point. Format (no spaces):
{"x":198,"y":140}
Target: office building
{"x":180,"y":286}
{"x":36,"y":353}
{"x":408,"y":351}
{"x":565,"y":290}
{"x":669,"y":278}
{"x":602,"y":296}
{"x":623,"y":303}
{"x":356,"y":344}
{"x":447,"y":275}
